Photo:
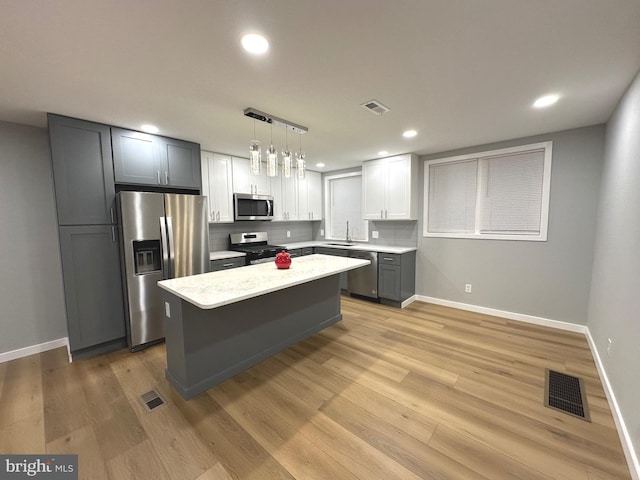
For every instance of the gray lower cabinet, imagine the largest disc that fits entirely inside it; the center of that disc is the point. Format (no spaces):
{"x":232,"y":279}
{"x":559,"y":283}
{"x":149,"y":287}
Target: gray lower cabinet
{"x":82,"y":171}
{"x":300,"y":252}
{"x":92,"y":285}
{"x":226,"y":263}
{"x":344,"y":278}
{"x":396,"y":276}
{"x":144,"y":159}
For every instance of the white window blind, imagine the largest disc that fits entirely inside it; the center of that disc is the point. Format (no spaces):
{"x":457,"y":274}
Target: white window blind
{"x":511,"y":193}
{"x":345,"y":205}
{"x":502,"y":194}
{"x":452,"y":197}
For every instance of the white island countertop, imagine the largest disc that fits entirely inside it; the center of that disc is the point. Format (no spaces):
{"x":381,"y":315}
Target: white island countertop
{"x":215,"y":289}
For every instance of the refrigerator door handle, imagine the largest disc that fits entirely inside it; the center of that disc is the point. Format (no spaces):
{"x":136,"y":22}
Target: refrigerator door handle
{"x":172,"y":249}
{"x":165,"y":248}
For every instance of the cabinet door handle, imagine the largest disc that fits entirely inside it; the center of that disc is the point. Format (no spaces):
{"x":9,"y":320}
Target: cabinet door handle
{"x":388,"y":259}
{"x":381,"y":216}
{"x":385,"y":214}
{"x":113,"y":234}
{"x":112,"y":217}
{"x":218,"y":215}
{"x":158,"y":177}
{"x":227,"y":265}
{"x":166,"y":177}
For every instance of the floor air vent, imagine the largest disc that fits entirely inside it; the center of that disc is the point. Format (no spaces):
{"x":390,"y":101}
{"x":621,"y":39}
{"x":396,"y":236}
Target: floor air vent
{"x":152,"y":400}
{"x":566,"y":393}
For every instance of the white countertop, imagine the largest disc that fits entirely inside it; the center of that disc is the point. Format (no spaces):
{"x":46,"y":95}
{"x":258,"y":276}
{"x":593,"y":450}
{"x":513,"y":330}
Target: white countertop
{"x":215,"y":289}
{"x":354,"y":246}
{"x":222,"y":254}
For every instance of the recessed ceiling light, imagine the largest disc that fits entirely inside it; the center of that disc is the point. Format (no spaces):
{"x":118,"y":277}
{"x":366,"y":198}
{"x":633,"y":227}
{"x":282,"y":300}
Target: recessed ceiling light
{"x":382,"y":153}
{"x":320,"y":165}
{"x":255,"y":44}
{"x":546,"y":101}
{"x":149,"y":128}
{"x":409,"y":134}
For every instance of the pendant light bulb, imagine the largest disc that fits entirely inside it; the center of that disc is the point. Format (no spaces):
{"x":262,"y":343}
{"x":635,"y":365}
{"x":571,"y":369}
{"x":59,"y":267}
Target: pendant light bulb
{"x":255,"y":156}
{"x":300,"y":160}
{"x":272,"y":159}
{"x":286,"y":157}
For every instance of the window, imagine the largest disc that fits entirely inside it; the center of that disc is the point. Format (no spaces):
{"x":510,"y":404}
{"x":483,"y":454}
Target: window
{"x":501,"y":194}
{"x":343,"y":197}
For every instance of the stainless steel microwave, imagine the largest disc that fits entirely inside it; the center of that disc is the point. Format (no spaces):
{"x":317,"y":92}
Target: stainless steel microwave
{"x":247,"y":206}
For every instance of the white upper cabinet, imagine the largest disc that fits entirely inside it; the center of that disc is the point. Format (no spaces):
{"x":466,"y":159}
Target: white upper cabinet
{"x":390,"y":188}
{"x":285,"y":199}
{"x":217,"y":186}
{"x":244,"y":182}
{"x":310,"y":196}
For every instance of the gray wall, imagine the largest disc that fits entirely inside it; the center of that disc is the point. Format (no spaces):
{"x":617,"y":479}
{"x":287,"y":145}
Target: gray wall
{"x":614,"y":307}
{"x":31,"y":292}
{"x":546,"y":279}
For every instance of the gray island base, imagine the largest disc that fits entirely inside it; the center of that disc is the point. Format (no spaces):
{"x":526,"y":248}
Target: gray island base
{"x":221,"y":323}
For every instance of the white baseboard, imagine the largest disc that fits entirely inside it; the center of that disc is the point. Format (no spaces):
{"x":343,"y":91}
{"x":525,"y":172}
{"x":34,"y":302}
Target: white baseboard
{"x":33,"y":349}
{"x":520,"y":317}
{"x":408,"y":301}
{"x":625,"y":438}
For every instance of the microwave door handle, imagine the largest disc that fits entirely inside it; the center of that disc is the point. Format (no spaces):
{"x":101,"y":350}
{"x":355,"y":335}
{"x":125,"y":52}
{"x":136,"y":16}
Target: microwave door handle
{"x":165,"y":248}
{"x":270,"y":211}
{"x":172,"y":249}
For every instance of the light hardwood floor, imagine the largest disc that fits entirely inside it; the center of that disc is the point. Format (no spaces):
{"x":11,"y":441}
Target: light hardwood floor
{"x":420,"y":393}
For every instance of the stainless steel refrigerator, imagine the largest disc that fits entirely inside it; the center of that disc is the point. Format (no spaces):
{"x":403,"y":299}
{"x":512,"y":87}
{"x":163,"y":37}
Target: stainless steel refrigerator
{"x":162,"y":235}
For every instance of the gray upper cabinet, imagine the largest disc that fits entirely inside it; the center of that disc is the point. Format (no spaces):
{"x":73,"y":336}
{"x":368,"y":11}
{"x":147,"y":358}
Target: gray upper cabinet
{"x":144,"y":159}
{"x":82,"y":171}
{"x":92,"y":285}
{"x":182,"y":161}
{"x":136,"y":157}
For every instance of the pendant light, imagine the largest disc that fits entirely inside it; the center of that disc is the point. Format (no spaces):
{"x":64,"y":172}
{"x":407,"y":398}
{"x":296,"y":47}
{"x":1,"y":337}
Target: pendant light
{"x":272,"y":158}
{"x":286,"y":156}
{"x":255,"y":156}
{"x":300,"y":162}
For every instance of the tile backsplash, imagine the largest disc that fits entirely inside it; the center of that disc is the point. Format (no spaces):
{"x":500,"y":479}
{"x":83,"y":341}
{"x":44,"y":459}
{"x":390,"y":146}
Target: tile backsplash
{"x":300,"y":232}
{"x":396,"y":233}
{"x":392,"y":233}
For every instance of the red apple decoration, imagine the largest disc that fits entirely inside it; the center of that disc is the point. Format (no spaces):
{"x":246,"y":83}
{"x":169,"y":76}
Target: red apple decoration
{"x":283,"y":260}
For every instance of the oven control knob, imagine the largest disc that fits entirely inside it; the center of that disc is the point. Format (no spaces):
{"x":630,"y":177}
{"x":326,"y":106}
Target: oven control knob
{"x":283,"y":260}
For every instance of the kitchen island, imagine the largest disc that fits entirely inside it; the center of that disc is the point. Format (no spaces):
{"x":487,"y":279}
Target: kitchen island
{"x":220,"y":323}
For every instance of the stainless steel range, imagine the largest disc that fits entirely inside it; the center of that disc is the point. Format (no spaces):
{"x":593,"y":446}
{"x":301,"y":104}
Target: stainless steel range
{"x":255,"y":245}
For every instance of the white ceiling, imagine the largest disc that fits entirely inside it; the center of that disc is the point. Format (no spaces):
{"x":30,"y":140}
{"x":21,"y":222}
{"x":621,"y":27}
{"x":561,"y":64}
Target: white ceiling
{"x":460,"y":72}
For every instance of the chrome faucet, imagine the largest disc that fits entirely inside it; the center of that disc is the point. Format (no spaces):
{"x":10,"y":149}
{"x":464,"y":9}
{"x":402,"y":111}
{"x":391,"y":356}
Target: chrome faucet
{"x":347,"y":236}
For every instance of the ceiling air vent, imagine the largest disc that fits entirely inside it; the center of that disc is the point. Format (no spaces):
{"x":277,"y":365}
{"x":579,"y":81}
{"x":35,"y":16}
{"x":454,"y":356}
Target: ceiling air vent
{"x":375,"y":107}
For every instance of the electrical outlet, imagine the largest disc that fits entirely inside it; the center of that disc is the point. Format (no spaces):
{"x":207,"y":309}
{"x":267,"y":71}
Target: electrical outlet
{"x":322,"y":232}
{"x":288,"y":234}
{"x":609,"y":347}
{"x":374,"y":234}
{"x":467,"y":288}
